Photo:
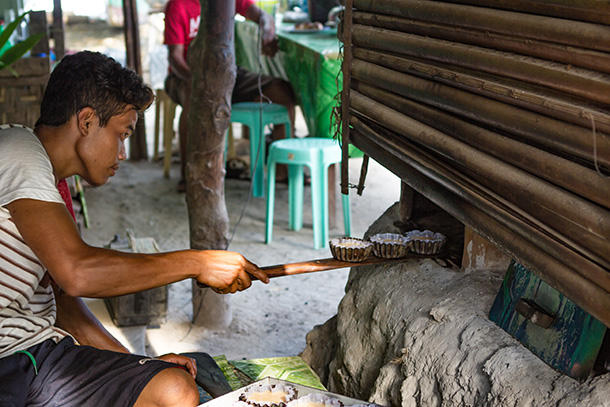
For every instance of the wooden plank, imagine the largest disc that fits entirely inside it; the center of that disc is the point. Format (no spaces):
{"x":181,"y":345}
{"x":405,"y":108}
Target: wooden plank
{"x":38,"y":24}
{"x":148,"y":307}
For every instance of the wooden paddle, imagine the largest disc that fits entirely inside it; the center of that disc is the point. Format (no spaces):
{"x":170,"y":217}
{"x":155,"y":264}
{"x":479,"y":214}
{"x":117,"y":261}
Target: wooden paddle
{"x":311,"y":266}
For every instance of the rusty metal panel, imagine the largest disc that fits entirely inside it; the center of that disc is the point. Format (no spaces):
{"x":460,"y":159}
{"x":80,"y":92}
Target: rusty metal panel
{"x":547,"y":323}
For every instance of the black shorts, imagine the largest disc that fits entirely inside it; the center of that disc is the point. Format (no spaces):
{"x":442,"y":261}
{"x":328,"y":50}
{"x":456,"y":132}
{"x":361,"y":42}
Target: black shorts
{"x":245,"y":89}
{"x":71,"y":375}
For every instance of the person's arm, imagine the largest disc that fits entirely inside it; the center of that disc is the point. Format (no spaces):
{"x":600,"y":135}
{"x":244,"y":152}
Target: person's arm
{"x":266,"y":23}
{"x":85,"y":271}
{"x":177,"y":62}
{"x":74,"y":317}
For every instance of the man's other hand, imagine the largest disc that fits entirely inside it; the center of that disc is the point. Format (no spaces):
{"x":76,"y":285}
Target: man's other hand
{"x":188,"y":363}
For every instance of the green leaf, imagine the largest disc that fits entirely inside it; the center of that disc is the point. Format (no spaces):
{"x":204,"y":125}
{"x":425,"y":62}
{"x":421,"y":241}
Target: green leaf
{"x":9,"y":29}
{"x":14,"y":53}
{"x":3,"y":66}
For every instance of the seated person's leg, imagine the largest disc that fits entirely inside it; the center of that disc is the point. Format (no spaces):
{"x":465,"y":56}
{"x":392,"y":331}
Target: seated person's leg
{"x":169,"y":388}
{"x":180,"y":93}
{"x":280,"y":92}
{"x":16,"y":374}
{"x":275,"y":89}
{"x":76,"y":376}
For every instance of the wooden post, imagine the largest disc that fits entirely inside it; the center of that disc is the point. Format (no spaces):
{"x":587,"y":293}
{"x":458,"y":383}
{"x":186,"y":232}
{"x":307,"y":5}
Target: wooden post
{"x":405,"y":208}
{"x":480,"y":254}
{"x":137,"y":142}
{"x":58,"y":30}
{"x":346,"y":69}
{"x":211,"y":58}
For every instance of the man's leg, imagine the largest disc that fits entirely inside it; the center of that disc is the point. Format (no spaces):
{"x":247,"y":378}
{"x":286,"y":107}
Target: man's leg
{"x":275,"y":89}
{"x":169,"y":388}
{"x":183,"y":128}
{"x":16,"y":373}
{"x":281,"y":93}
{"x":180,"y":93}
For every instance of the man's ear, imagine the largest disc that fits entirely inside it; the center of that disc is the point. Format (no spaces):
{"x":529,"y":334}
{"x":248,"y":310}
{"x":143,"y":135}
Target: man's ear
{"x":85,"y":118}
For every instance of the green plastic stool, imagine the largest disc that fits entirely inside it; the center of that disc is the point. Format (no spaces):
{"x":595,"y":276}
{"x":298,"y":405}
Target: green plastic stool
{"x":256,"y":116}
{"x":318,"y":154}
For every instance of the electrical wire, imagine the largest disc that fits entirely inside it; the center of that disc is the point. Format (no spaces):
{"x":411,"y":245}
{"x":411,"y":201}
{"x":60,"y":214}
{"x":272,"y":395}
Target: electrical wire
{"x":262,"y":97}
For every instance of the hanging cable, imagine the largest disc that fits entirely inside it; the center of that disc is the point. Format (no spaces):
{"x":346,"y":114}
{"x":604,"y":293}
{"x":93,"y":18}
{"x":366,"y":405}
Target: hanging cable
{"x":262,"y":97}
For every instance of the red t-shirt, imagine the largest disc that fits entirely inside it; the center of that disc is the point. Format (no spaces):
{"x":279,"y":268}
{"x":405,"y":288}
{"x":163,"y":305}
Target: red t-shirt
{"x":182,"y":20}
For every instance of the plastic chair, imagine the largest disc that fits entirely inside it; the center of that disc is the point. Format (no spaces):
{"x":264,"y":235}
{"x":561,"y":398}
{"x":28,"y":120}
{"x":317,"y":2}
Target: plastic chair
{"x":163,"y":101}
{"x":256,"y":116}
{"x":318,"y":154}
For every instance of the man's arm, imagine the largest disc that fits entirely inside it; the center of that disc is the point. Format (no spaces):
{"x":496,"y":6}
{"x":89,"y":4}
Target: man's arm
{"x":266,"y":23}
{"x":85,"y":271}
{"x":74,"y":317}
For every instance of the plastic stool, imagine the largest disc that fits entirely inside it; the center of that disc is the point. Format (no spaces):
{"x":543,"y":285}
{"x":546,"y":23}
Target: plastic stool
{"x":318,"y":154}
{"x":256,"y":116}
{"x":163,"y":101}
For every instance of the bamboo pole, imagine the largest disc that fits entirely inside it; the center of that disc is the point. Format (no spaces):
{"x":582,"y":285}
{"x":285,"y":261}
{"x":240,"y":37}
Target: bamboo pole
{"x":507,"y":91}
{"x":570,"y":55}
{"x":346,"y":25}
{"x":575,"y":33}
{"x":583,"y":292}
{"x":595,"y":11}
{"x":566,"y":250}
{"x":525,"y":190}
{"x":557,"y":170}
{"x":536,"y":129}
{"x":587,"y":84}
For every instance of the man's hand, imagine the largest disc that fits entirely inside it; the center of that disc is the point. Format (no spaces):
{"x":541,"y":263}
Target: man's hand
{"x":188,"y":363}
{"x":270,"y":49}
{"x":228,"y":272}
{"x":266,"y":22}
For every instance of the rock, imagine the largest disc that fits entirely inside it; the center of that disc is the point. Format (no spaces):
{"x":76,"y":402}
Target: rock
{"x":417,"y":334}
{"x":323,"y":339}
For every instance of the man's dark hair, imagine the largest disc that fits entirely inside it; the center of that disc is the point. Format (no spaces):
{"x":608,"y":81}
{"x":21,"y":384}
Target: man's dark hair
{"x":91,"y":79}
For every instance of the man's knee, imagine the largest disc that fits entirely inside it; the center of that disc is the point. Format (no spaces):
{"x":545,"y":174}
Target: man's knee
{"x":281,"y":91}
{"x":170,"y":387}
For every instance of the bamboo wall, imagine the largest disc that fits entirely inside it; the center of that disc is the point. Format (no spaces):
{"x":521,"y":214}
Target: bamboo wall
{"x":20,"y":97}
{"x":499,"y":112}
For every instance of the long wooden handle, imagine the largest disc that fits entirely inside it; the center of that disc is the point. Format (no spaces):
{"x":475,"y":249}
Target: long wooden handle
{"x":312,"y":266}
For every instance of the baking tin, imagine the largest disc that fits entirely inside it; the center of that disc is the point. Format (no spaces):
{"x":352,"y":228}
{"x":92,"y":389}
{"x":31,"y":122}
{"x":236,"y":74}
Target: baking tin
{"x":425,"y":241}
{"x":350,"y":249}
{"x":390,"y":245}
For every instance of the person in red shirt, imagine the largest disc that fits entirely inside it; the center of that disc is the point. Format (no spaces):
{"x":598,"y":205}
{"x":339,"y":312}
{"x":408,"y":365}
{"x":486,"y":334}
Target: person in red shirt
{"x":181,"y":24}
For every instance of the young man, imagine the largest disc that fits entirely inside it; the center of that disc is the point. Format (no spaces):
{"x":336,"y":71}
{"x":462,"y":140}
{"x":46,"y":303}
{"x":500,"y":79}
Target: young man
{"x":90,"y":107}
{"x":181,"y":26}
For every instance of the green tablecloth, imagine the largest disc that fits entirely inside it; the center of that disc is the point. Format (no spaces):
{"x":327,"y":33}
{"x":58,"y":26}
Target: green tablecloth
{"x":309,"y":61}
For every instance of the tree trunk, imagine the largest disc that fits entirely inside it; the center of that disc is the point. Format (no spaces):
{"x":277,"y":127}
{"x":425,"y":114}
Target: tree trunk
{"x":212,"y":62}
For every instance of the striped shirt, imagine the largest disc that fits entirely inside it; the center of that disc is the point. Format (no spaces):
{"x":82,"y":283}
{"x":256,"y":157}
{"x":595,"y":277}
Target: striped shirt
{"x":27,"y":303}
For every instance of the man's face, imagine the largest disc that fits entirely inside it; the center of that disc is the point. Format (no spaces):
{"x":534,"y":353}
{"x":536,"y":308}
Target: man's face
{"x":104,"y":147}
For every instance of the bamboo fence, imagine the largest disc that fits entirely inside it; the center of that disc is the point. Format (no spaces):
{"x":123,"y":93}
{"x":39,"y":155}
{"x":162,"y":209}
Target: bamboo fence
{"x":499,"y":112}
